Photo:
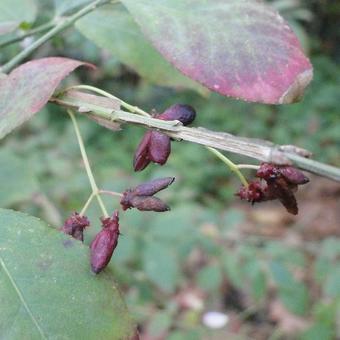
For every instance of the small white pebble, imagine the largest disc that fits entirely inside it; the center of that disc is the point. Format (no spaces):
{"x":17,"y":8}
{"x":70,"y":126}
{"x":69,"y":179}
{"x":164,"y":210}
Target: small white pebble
{"x":215,"y":320}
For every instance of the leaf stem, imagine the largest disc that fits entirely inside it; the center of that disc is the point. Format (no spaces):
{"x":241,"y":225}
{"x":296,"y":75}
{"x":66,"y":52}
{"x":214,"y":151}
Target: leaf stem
{"x":232,"y":166}
{"x":131,"y":108}
{"x":23,"y":35}
{"x":60,"y":26}
{"x":111,"y":193}
{"x":88,"y":202}
{"x":248,"y":166}
{"x":94,"y":187}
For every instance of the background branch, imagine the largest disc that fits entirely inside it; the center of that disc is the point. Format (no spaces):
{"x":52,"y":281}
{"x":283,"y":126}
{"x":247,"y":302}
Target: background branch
{"x":107,"y":112}
{"x":61,"y":25}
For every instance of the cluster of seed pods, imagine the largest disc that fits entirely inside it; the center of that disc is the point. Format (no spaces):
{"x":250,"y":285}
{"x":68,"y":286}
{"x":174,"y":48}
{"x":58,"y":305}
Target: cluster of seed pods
{"x":278,"y":182}
{"x":155,"y":146}
{"x":106,"y":240}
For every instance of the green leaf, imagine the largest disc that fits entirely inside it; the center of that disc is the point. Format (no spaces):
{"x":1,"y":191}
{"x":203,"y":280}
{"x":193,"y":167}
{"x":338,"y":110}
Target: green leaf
{"x":332,"y":284}
{"x":233,"y":268}
{"x":63,"y":6}
{"x":112,"y":28}
{"x":317,"y":332}
{"x":242,"y":49}
{"x":257,"y":277}
{"x":210,"y":278}
{"x":293,"y":294}
{"x":160,"y":324}
{"x":161,"y":265}
{"x":47,"y":289}
{"x":17,"y":11}
{"x":17,"y":180}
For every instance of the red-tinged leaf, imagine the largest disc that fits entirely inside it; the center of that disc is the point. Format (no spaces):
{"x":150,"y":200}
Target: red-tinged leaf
{"x":242,"y":49}
{"x":28,"y":88}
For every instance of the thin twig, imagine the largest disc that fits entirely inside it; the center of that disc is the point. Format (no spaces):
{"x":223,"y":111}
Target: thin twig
{"x":36,"y":30}
{"x":94,"y":186}
{"x":232,"y":166}
{"x":131,"y":108}
{"x":111,"y":193}
{"x":86,"y":205}
{"x":248,"y":166}
{"x":254,"y":148}
{"x":60,"y":26}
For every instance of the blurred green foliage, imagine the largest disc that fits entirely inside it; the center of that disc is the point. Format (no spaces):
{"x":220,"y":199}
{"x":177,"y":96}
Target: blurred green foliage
{"x":157,"y":254}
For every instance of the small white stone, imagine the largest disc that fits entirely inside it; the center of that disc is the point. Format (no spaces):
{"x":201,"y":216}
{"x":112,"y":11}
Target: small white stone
{"x":215,"y":320}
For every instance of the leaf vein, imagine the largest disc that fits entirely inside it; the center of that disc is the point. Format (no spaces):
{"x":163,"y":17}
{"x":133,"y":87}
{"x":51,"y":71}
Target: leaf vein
{"x":22,"y":299}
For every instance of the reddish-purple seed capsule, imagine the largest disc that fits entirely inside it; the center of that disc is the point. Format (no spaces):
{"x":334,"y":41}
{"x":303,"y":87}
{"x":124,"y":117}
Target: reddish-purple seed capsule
{"x":252,"y":193}
{"x":267,"y":171}
{"x":104,"y":243}
{"x":149,"y":203}
{"x":156,"y":146}
{"x":159,"y":147}
{"x":152,"y":187}
{"x":141,"y":159}
{"x":281,"y":190}
{"x":293,"y":175}
{"x":75,"y":226}
{"x":186,"y":114}
{"x":141,"y":197}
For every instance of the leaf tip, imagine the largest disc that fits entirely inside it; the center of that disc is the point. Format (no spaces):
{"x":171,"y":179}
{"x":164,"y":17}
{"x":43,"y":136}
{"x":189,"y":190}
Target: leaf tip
{"x":296,"y":90}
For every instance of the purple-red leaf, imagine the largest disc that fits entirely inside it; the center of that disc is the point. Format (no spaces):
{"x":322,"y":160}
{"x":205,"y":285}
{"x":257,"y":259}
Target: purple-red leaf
{"x":28,"y":88}
{"x":242,"y":49}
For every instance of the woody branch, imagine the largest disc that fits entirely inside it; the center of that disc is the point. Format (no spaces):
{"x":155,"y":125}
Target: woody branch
{"x":108,"y":112}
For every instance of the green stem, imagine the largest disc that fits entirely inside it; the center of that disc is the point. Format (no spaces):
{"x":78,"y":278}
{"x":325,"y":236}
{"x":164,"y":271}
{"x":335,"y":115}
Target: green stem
{"x":232,"y":166}
{"x":94,"y":187}
{"x":248,"y":166}
{"x":83,"y":211}
{"x":24,"y":35}
{"x":111,"y":193}
{"x":60,"y":26}
{"x":131,"y":108}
